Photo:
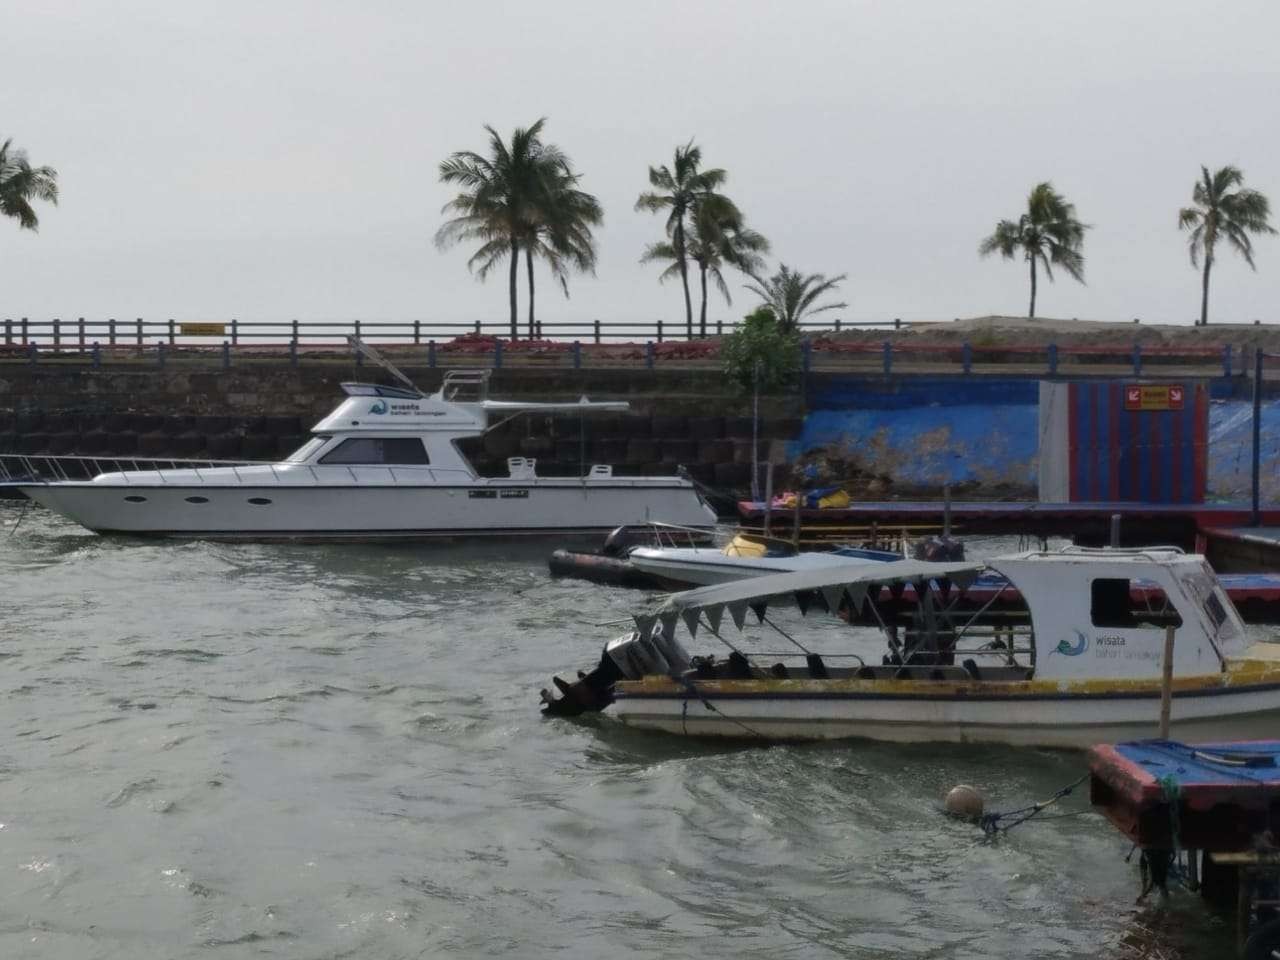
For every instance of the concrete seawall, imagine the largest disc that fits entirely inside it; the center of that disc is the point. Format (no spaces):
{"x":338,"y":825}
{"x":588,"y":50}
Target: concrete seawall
{"x":877,"y":436}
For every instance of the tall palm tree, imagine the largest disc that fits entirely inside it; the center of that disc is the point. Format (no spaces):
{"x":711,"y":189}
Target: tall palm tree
{"x":560,"y":231}
{"x":717,"y":237}
{"x":793,"y":295}
{"x":675,"y":189}
{"x":20,"y":183}
{"x":499,"y":199}
{"x":1220,"y":213}
{"x":1048,"y":233}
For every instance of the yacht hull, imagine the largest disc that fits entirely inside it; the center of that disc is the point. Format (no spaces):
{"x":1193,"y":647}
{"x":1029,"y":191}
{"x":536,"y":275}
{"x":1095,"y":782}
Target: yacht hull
{"x":1021,"y":715}
{"x":368,"y":512}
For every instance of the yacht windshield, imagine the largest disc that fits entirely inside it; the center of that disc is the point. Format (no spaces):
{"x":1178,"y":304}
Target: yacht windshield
{"x":306,"y":451}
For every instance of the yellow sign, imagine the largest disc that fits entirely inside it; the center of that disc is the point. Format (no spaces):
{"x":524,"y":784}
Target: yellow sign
{"x":202,"y":329}
{"x":1154,"y":397}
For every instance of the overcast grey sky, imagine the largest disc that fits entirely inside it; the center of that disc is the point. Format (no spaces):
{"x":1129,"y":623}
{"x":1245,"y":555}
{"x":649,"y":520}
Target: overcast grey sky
{"x":271,"y":160}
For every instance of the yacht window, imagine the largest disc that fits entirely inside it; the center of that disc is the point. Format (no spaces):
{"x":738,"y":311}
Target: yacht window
{"x":1128,"y":604}
{"x":307,"y":450}
{"x":378,"y":450}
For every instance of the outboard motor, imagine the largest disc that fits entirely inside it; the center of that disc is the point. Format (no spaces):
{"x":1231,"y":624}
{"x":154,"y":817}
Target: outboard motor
{"x":943,"y":549}
{"x":626,"y":658}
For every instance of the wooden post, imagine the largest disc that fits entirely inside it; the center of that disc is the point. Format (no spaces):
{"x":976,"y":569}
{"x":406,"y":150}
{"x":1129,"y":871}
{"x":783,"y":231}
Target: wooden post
{"x":768,"y":497}
{"x":1166,"y":682}
{"x":795,"y":532}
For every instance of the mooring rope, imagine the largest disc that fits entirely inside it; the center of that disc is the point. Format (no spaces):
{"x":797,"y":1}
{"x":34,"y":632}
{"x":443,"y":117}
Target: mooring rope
{"x":994,"y":823}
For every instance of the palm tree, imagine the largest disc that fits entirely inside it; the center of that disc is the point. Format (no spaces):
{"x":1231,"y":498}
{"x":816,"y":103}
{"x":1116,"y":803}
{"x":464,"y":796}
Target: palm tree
{"x":560,"y":231}
{"x":1047,"y":233}
{"x":500,"y":198}
{"x":1220,"y":213}
{"x":792,"y":295}
{"x":717,"y":237}
{"x":676,"y":189}
{"x":20,"y":183}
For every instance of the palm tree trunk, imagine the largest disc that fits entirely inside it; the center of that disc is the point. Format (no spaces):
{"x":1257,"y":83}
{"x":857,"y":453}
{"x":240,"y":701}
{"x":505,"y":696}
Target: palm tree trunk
{"x":515,"y":272}
{"x":528,"y":259}
{"x":1204,"y":292}
{"x":702,"y":316}
{"x":1031,"y":312}
{"x":678,"y":243}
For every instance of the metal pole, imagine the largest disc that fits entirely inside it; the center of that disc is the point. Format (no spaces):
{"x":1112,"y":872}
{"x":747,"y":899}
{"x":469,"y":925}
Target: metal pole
{"x":755,"y":430}
{"x":1257,"y":435}
{"x":1166,"y":683}
{"x":768,"y":496}
{"x":946,"y":510}
{"x":1115,"y":530}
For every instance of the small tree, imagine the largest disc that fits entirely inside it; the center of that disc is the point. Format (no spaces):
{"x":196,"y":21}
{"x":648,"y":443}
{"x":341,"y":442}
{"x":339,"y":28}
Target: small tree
{"x":760,"y":355}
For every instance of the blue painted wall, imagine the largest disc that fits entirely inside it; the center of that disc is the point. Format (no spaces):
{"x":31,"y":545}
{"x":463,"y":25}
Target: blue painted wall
{"x":934,"y":431}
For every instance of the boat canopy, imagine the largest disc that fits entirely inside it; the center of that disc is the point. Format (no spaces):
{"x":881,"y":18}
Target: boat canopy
{"x":832,"y":583}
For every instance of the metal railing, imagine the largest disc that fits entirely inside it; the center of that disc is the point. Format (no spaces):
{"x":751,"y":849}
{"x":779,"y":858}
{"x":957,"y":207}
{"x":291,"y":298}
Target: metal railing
{"x":80,"y":334}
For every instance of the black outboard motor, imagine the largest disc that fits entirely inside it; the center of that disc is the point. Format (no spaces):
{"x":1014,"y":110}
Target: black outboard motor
{"x":943,"y":549}
{"x":626,"y":658}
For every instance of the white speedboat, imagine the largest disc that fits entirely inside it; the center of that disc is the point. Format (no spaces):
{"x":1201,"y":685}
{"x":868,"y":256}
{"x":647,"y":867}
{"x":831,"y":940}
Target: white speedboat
{"x":385,"y":464}
{"x":1083,"y":666}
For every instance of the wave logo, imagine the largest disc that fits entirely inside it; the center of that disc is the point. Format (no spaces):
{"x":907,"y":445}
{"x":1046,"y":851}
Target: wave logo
{"x":1069,"y":649}
{"x":379,"y":407}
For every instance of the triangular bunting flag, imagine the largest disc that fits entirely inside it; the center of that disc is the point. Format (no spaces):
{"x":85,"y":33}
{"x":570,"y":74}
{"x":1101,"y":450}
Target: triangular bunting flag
{"x":669,"y":623}
{"x":644,"y":623}
{"x":833,"y":596}
{"x":713,"y":616}
{"x":691,"y":621}
{"x":804,"y":598}
{"x":738,"y":610}
{"x":857,"y":594}
{"x":759,"y":609}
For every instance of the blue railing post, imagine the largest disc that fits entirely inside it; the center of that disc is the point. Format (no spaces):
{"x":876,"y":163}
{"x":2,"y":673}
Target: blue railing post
{"x":31,"y":352}
{"x":577,"y":354}
{"x":226,"y":355}
{"x":160,"y":354}
{"x":887,"y":351}
{"x":497,"y":354}
{"x":1053,"y":358}
{"x":966,"y":356}
{"x":97,"y":354}
{"x":806,"y":355}
{"x":897,"y":323}
{"x":172,"y":341}
{"x":293,"y":352}
{"x":235,"y":332}
{"x":659,"y":331}
{"x":596,"y":324}
{"x":417,"y":332}
{"x":431,"y":354}
{"x":1137,"y":359}
{"x":1226,"y":360}
{"x":648,"y":354}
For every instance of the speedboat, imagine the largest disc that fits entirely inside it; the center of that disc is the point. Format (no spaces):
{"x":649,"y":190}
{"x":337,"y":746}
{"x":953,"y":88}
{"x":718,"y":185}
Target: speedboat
{"x":1081,"y":664}
{"x":740,"y":558}
{"x":385,"y":464}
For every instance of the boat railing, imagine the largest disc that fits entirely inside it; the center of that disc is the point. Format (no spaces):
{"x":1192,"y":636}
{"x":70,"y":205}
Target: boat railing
{"x":465,"y":386}
{"x":16,"y":468}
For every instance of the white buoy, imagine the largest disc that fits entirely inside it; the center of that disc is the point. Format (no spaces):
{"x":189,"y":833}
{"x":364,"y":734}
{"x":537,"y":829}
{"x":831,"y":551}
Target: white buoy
{"x":964,"y":802}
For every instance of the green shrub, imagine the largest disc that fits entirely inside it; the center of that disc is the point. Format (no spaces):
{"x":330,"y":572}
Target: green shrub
{"x":760,"y":354}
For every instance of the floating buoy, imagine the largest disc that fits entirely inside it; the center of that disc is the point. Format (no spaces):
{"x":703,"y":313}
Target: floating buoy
{"x":965,"y":802}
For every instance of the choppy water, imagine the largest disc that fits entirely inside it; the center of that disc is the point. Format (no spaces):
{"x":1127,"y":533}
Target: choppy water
{"x":230,"y":751}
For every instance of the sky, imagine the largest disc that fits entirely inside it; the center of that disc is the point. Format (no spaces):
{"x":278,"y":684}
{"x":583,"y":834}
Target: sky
{"x":274,"y":160}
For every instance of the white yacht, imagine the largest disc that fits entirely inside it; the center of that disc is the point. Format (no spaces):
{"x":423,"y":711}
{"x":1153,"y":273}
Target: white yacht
{"x":384,"y":465}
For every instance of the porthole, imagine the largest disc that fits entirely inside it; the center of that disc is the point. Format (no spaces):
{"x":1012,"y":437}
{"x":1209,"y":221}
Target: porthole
{"x":197,"y":499}
{"x":260,"y":501}
{"x":134,"y":498}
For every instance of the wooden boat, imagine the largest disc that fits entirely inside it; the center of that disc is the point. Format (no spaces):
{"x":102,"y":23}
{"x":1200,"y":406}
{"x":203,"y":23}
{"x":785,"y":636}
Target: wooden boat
{"x":1082,"y":664}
